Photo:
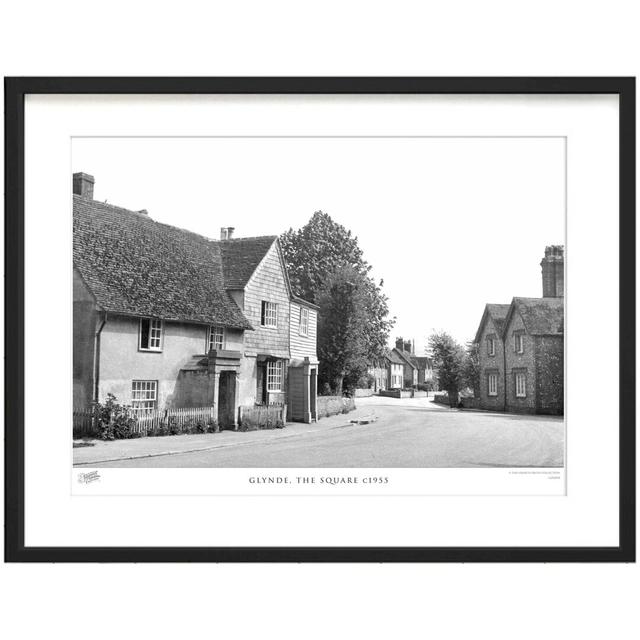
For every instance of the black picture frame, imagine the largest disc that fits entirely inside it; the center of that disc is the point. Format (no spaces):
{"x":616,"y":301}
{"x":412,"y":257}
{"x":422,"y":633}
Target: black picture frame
{"x":15,"y":91}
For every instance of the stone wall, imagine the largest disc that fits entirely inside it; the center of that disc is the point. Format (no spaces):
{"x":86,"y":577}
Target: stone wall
{"x":333,"y":405}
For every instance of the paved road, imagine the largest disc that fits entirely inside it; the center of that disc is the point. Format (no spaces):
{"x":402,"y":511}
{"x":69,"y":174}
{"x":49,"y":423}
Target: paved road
{"x":407,"y":433}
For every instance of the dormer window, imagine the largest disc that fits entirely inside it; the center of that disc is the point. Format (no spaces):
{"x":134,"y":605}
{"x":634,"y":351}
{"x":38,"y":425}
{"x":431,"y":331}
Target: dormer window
{"x":150,"y":334}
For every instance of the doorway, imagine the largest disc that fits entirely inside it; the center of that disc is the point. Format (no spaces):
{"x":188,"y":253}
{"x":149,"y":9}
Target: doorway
{"x":226,"y":400}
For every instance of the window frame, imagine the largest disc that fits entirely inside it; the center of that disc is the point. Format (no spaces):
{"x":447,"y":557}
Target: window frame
{"x":160,"y":337}
{"x":491,"y":346}
{"x":520,"y":376}
{"x":303,"y":327}
{"x":518,"y":342}
{"x":275,"y":372}
{"x":139,"y":410}
{"x":265,"y":307}
{"x":210,"y":331}
{"x":494,"y":377}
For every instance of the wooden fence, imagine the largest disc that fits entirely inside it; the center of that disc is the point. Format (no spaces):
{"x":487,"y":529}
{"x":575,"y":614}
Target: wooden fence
{"x":267,"y":416}
{"x":158,"y":421}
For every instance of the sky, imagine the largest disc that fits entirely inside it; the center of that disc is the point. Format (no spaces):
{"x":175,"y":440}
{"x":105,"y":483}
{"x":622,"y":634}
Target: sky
{"x":449,"y":224}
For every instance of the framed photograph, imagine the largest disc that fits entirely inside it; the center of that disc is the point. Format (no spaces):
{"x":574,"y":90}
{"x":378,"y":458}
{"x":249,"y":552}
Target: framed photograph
{"x":320,"y":319}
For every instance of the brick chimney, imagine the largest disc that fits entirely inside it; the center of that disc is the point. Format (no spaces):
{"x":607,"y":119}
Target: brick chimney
{"x":407,"y":346}
{"x":226,"y":233}
{"x":83,"y":185}
{"x":553,"y":272}
{"x":400,"y":344}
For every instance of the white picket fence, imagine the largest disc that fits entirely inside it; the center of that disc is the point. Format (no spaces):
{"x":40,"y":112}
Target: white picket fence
{"x":177,"y":419}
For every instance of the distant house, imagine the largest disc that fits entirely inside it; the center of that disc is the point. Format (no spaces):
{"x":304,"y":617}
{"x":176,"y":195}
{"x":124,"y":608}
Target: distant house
{"x":396,"y":370}
{"x":404,"y":349}
{"x":167,"y":318}
{"x":424,"y":365}
{"x":521,"y":347}
{"x":378,"y":369}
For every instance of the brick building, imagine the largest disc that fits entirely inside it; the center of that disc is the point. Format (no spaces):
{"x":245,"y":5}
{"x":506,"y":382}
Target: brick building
{"x":521,"y":347}
{"x":166,"y":318}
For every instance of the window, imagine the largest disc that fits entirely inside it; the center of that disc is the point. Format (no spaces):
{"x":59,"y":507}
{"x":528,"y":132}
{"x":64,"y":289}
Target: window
{"x":491,"y":346}
{"x":521,"y":385}
{"x":150,"y":334}
{"x":144,"y":394}
{"x":274,"y":376}
{"x":216,"y":338}
{"x":492,"y":384}
{"x":519,"y":342}
{"x":304,"y":322}
{"x":269,"y":316}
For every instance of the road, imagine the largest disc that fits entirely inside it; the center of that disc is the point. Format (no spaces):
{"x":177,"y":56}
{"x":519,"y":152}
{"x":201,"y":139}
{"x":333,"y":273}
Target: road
{"x":406,"y":433}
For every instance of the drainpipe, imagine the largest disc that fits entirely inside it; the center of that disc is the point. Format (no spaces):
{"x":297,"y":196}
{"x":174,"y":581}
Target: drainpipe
{"x":96,"y":357}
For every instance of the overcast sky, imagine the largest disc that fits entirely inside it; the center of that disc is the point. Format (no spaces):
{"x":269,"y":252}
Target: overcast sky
{"x":448,"y":223}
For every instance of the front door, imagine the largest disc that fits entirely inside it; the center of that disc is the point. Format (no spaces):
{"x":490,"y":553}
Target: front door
{"x":226,"y":400}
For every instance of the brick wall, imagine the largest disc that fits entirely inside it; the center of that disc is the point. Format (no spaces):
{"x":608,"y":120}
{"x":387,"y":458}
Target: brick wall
{"x":549,"y":356}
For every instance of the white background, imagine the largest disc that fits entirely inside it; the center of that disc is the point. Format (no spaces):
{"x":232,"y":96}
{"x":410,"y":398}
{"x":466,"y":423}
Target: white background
{"x":489,"y":38}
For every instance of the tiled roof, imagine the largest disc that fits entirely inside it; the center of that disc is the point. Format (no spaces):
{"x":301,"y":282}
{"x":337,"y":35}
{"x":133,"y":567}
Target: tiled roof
{"x":136,"y":266}
{"x":404,"y":357}
{"x":498,"y":313}
{"x":395,"y":358}
{"x":422,"y":362}
{"x":541,"y":316}
{"x":240,"y":258}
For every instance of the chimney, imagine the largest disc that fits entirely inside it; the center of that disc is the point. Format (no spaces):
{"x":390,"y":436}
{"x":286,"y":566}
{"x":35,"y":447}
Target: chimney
{"x":83,"y":185}
{"x":553,"y":272}
{"x":226,"y":233}
{"x":400,"y":344}
{"x":407,"y":346}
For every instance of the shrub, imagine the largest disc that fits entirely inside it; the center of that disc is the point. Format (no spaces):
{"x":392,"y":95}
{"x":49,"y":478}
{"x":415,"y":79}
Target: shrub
{"x":114,"y":420}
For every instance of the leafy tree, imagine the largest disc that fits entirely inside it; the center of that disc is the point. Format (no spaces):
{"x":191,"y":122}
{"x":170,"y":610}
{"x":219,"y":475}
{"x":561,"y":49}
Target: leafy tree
{"x":342,"y":347}
{"x":472,"y":368}
{"x":449,"y":360}
{"x":316,"y":252}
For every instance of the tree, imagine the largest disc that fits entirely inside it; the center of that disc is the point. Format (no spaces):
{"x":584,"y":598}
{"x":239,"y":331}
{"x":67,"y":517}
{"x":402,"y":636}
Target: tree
{"x":342,"y":347}
{"x":316,"y":250}
{"x":314,"y":254}
{"x":471,"y":372}
{"x":449,"y":360}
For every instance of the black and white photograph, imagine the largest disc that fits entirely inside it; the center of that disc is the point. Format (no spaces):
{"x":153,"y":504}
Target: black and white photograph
{"x":361,"y":315}
{"x":319,"y":302}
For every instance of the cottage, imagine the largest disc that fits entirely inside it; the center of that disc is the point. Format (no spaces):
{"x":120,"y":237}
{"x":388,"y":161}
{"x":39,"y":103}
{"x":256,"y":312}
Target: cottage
{"x":166,"y":318}
{"x":521,"y":347}
{"x":396,"y":366}
{"x":426,"y":374}
{"x":404,"y":350}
